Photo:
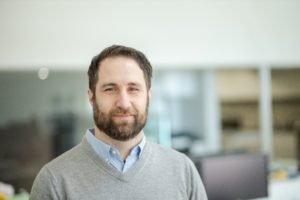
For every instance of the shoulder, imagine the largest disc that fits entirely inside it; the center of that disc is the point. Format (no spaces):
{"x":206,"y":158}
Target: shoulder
{"x":63,"y":163}
{"x":70,"y":156}
{"x":157,"y":148}
{"x":47,"y":183}
{"x":169,"y":155}
{"x":179,"y":168}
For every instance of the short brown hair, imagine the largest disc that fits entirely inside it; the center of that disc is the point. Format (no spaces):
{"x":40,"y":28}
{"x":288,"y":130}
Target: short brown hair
{"x":118,"y":50}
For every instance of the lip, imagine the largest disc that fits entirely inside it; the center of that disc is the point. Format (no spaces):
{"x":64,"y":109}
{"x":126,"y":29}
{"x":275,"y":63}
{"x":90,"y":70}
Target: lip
{"x":122,"y":116}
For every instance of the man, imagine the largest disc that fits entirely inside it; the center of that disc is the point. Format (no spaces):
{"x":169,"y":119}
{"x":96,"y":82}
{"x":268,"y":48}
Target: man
{"x":114,"y":160}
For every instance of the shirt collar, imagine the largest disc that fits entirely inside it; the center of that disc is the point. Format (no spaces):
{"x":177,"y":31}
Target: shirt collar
{"x":105,"y":151}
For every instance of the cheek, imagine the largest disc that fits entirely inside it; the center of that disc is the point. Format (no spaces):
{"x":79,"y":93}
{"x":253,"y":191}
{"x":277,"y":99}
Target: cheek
{"x":142,"y":104}
{"x":105,"y":105}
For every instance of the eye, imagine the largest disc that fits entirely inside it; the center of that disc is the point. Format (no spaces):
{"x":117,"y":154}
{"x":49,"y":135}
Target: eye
{"x":108,"y":89}
{"x":134,"y":89}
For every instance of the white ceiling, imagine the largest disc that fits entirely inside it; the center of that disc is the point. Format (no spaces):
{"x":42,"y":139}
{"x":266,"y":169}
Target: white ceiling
{"x":66,"y":34}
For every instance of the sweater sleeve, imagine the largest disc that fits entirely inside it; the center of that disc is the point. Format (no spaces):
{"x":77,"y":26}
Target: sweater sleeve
{"x":196,"y":187}
{"x":44,"y":187}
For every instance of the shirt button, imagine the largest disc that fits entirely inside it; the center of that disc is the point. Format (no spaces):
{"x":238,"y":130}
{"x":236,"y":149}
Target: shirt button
{"x":106,"y":159}
{"x":114,"y":152}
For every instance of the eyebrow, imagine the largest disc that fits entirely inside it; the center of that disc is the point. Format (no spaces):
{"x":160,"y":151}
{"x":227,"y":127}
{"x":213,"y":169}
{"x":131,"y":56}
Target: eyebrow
{"x":114,"y":84}
{"x":135,"y":84}
{"x":108,"y":85}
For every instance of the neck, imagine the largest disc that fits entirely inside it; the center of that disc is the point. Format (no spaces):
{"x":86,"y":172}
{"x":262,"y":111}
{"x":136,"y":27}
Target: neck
{"x":124,"y":147}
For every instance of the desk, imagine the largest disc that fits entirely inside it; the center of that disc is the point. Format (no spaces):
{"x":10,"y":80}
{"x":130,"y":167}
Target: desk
{"x":284,"y":190}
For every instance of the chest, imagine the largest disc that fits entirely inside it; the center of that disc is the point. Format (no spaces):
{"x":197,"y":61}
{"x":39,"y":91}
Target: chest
{"x":140,"y":188}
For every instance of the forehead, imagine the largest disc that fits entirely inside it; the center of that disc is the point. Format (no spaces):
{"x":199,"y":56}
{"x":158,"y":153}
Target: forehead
{"x":120,"y":70}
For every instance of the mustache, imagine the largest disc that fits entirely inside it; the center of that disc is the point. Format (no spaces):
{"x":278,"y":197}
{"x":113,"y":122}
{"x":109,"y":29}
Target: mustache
{"x":121,"y":111}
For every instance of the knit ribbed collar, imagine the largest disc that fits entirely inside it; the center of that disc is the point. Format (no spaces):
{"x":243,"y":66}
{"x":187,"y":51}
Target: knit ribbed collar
{"x":126,"y":176}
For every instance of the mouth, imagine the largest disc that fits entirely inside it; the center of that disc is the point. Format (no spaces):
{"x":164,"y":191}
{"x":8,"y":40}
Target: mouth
{"x":123,"y":116}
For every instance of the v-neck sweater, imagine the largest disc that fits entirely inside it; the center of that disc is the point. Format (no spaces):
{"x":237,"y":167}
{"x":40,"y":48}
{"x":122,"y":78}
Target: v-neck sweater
{"x":160,"y":173}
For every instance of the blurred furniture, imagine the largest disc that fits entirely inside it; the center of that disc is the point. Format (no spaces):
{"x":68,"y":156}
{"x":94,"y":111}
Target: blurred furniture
{"x":287,"y":190}
{"x":234,"y":176}
{"x":24,"y":149}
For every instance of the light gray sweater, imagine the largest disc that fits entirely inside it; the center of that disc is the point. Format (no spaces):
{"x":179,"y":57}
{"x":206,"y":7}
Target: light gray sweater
{"x":160,"y":174}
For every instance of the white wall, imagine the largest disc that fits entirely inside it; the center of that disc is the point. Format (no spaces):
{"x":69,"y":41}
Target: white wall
{"x":66,"y":33}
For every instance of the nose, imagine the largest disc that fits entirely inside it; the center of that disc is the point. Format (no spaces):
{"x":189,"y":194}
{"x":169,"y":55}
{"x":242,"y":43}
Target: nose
{"x":123,"y":100}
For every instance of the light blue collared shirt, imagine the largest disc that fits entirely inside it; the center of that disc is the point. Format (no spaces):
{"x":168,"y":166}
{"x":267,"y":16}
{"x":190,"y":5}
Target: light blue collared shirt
{"x":111,"y":155}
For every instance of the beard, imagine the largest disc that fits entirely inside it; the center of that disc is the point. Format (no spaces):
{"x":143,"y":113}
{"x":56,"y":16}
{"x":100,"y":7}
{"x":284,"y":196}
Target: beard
{"x":124,"y":130}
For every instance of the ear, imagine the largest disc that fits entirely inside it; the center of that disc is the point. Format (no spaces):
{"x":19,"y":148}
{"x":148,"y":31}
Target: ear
{"x":91,"y":97}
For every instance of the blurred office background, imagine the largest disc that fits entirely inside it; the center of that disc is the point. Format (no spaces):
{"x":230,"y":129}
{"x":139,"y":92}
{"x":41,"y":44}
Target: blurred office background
{"x":226,"y":75}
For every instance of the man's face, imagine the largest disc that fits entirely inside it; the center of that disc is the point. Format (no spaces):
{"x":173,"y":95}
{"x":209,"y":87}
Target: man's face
{"x":120,"y":102}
